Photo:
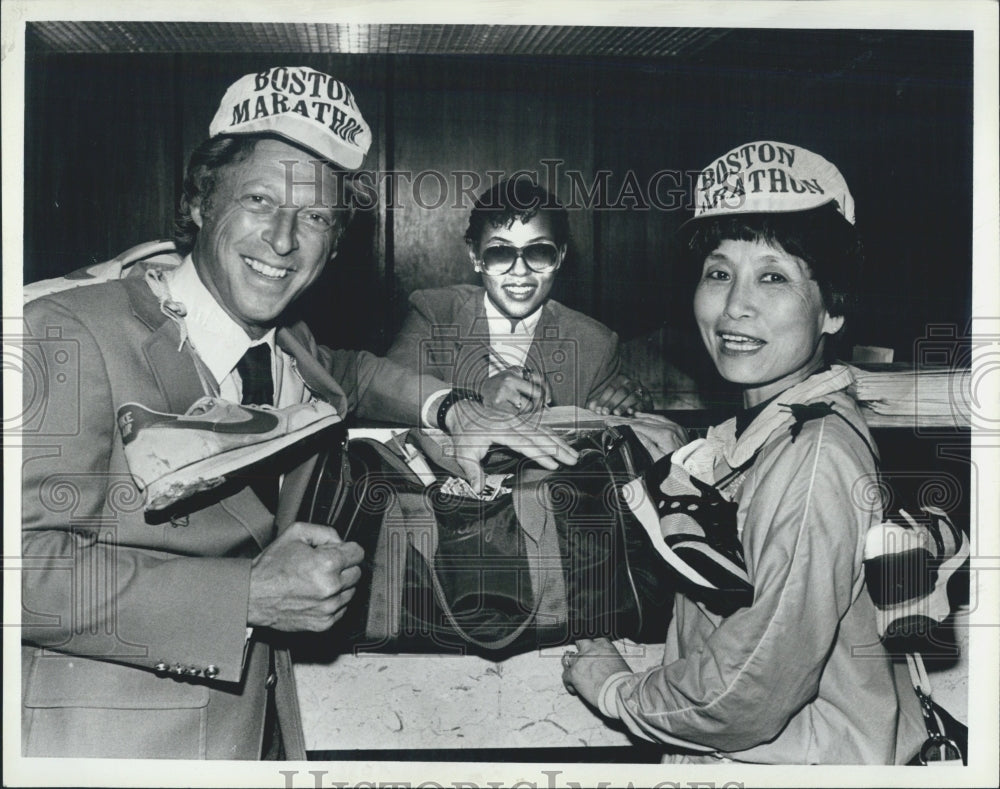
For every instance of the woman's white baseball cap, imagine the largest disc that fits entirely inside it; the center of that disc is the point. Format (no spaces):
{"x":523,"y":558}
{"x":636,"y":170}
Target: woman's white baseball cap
{"x":302,"y":105}
{"x":768,"y":177}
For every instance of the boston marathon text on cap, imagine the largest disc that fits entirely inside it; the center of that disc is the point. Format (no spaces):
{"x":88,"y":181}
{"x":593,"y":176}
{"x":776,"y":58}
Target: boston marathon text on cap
{"x":763,"y":177}
{"x":305,"y":106}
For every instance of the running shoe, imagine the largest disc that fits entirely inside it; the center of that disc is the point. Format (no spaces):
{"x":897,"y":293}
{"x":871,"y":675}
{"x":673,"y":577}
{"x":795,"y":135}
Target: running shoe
{"x":173,"y":456}
{"x":907,"y":569}
{"x":693,"y":528}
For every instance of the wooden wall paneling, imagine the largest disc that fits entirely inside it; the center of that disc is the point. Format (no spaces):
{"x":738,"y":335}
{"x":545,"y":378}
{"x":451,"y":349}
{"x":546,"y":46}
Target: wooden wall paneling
{"x":98,"y":157}
{"x":635,"y":138}
{"x":463,"y":118}
{"x":646,"y":294}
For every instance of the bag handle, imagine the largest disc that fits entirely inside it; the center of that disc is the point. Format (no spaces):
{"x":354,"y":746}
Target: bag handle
{"x":937,"y":740}
{"x":510,"y":638}
{"x":449,"y":615}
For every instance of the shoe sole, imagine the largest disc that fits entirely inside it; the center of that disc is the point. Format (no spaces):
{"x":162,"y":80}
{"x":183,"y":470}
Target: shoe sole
{"x":178,"y":485}
{"x":646,"y":514}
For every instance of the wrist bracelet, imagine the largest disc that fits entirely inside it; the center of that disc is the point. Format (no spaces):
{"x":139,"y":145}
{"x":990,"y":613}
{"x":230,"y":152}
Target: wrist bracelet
{"x":450,"y":399}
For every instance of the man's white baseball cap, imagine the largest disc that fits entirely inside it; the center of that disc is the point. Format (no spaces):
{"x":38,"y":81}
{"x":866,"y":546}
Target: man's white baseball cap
{"x":304,"y":106}
{"x":769,"y":177}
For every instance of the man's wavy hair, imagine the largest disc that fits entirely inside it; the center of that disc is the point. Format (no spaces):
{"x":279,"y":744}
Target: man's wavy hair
{"x":521,"y":199}
{"x":821,"y":237}
{"x":201,"y":178}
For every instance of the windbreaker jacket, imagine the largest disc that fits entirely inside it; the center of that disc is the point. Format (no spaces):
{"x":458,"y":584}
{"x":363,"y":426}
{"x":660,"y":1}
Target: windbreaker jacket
{"x":798,"y":677}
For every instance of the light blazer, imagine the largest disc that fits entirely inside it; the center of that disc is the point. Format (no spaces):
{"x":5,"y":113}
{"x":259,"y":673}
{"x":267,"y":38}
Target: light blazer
{"x":446,"y":334}
{"x":107,"y":593}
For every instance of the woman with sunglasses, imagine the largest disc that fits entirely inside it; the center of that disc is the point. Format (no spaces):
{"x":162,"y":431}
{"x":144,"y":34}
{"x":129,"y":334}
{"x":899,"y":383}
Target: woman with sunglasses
{"x":507,"y":340}
{"x":773,"y":653}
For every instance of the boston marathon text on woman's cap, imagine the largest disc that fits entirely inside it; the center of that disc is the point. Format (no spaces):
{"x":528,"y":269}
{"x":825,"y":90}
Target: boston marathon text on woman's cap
{"x":765,"y":177}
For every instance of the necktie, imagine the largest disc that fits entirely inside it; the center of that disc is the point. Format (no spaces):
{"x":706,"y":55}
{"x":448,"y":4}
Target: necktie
{"x":258,"y":389}
{"x":255,"y":373}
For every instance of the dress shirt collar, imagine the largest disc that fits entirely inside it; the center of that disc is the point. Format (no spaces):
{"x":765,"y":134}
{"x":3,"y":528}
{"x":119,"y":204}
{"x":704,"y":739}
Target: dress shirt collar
{"x":215,"y":336}
{"x":500,"y":325}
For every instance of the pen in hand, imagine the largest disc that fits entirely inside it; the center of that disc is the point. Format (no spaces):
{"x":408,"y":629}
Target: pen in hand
{"x":516,"y":388}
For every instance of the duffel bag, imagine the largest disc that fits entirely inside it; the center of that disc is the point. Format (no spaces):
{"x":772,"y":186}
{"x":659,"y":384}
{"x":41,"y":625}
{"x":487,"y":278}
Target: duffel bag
{"x":546,"y":558}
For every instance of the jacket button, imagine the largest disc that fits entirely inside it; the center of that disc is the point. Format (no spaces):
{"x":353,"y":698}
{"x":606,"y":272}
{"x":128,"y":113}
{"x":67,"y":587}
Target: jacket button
{"x":212,"y":672}
{"x":271,"y":681}
{"x":161,"y":667}
{"x":192,"y":671}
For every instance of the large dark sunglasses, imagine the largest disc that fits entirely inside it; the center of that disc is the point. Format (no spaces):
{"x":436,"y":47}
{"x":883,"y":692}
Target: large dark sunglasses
{"x":539,"y":256}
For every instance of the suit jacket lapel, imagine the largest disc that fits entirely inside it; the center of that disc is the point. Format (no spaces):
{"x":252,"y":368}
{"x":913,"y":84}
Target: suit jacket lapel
{"x":302,"y":347}
{"x":472,"y":346}
{"x":176,"y":373}
{"x":556,"y":356}
{"x":173,"y":366}
{"x":472,"y":317}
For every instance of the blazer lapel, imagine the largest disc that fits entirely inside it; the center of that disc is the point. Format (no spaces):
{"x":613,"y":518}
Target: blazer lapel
{"x":176,"y":373}
{"x":173,"y":366}
{"x":555,"y":356}
{"x":302,"y":347}
{"x":472,"y":346}
{"x":472,"y":317}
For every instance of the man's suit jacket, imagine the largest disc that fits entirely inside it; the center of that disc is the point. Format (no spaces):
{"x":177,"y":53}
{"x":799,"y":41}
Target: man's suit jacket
{"x":109,"y":593}
{"x":446,"y":334}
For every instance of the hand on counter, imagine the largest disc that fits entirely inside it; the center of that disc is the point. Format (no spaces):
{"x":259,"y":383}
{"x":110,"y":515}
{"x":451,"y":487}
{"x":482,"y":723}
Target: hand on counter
{"x":517,"y":390}
{"x":585,"y":671}
{"x":621,"y":396}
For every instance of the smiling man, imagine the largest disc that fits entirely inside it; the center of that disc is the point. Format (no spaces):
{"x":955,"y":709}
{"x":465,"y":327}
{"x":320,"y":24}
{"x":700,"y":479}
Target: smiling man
{"x":150,"y":636}
{"x":507,"y":340}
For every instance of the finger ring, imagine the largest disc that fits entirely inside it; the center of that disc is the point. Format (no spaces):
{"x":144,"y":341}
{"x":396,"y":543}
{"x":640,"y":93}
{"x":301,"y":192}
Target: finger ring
{"x":568,"y":655}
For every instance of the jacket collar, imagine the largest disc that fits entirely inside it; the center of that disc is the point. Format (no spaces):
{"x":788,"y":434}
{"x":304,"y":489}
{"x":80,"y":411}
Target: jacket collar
{"x":171,"y":361}
{"x":297,"y":341}
{"x":736,"y":452}
{"x":472,"y":313}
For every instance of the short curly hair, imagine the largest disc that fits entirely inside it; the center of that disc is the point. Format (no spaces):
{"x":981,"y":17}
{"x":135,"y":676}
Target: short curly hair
{"x":202,"y":176}
{"x":521,"y":199}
